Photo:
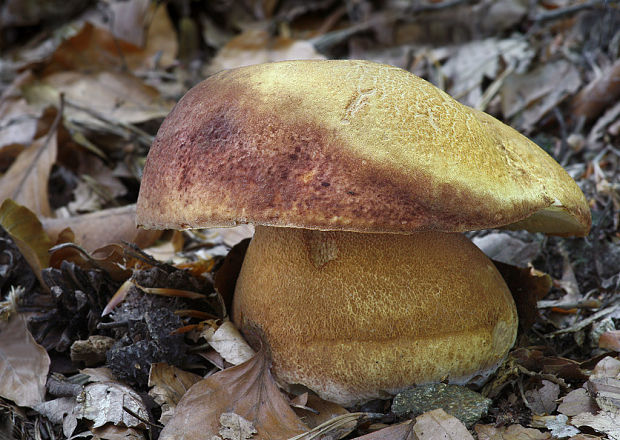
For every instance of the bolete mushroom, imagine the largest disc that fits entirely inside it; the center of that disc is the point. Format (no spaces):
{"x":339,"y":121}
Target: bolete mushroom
{"x":360,"y":178}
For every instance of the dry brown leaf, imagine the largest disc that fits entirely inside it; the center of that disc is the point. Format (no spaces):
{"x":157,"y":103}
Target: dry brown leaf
{"x":527,"y":286}
{"x":402,"y":431}
{"x":543,"y":400}
{"x":577,"y":402}
{"x":113,"y":432}
{"x":26,"y":179}
{"x":323,"y":411}
{"x":229,"y":343}
{"x":248,"y":390}
{"x":98,"y":229}
{"x":438,"y":425}
{"x":19,"y":122}
{"x":91,"y":49}
{"x":93,"y":97}
{"x":610,"y":340}
{"x":607,"y":367}
{"x":604,"y":422}
{"x":28,"y":235}
{"x":600,"y":94}
{"x":530,"y":96}
{"x":104,"y":402}
{"x":24,"y":364}
{"x":513,"y":432}
{"x":257,"y":46}
{"x":169,"y":385}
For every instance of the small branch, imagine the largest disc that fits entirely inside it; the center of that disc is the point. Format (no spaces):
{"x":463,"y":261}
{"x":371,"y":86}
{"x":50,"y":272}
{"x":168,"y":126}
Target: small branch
{"x":563,"y":12}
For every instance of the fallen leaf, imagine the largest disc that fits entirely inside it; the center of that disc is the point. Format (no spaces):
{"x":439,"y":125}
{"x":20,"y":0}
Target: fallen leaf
{"x":577,"y":402}
{"x":401,"y":431}
{"x":113,"y":432}
{"x":478,"y":59}
{"x":60,"y":412}
{"x":28,"y":235}
{"x":512,"y":432}
{"x":229,"y":343}
{"x":248,"y":390}
{"x":104,"y":402}
{"x":98,"y":229}
{"x":604,"y":422}
{"x":169,"y":384}
{"x":98,"y":98}
{"x":558,"y":427}
{"x":528,"y":97}
{"x":26,"y":180}
{"x":504,"y":247}
{"x":527,"y":286}
{"x":601,"y":93}
{"x":235,"y":427}
{"x":24,"y":364}
{"x":438,"y":425}
{"x":610,"y":340}
{"x":320,"y":411}
{"x":257,"y":46}
{"x":607,"y":367}
{"x":606,"y":392}
{"x":543,"y":400}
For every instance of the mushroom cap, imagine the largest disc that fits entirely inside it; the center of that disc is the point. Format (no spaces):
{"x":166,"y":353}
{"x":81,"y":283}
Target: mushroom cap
{"x":347,"y":145}
{"x":361,"y":316}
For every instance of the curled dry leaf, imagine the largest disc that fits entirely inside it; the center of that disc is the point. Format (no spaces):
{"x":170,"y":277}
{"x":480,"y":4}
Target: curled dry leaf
{"x":512,"y":432}
{"x":248,"y":390}
{"x":23,"y":364}
{"x":229,"y":343}
{"x":28,"y":235}
{"x":169,"y":384}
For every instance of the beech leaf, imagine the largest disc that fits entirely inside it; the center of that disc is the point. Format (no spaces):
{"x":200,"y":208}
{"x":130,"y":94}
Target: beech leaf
{"x":26,"y":179}
{"x":23,"y":364}
{"x":247,"y":390}
{"x":27,"y":233}
{"x":402,"y":431}
{"x":512,"y":432}
{"x":98,"y":229}
{"x":439,"y":425}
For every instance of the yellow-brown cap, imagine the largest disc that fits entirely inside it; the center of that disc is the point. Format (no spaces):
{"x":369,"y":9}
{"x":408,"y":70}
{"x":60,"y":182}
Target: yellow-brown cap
{"x":347,"y":145}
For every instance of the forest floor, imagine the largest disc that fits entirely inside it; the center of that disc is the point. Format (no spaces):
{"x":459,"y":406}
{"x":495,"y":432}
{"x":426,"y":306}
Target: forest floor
{"x":104,"y":328}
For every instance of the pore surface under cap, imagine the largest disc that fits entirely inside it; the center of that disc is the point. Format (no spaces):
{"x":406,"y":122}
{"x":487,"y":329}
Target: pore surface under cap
{"x":347,"y":145}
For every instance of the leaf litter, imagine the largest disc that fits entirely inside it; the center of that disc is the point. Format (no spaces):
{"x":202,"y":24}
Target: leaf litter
{"x":84,"y":88}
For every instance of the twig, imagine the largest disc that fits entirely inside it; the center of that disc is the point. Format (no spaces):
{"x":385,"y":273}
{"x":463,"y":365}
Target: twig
{"x":586,"y":322}
{"x":559,"y":13}
{"x":146,"y":138}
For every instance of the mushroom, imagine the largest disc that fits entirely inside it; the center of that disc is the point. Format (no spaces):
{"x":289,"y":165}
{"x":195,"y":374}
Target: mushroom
{"x":360,"y":179}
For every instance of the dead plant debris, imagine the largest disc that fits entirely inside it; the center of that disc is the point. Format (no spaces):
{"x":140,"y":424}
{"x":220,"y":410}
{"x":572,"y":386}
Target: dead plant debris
{"x":84,"y":87}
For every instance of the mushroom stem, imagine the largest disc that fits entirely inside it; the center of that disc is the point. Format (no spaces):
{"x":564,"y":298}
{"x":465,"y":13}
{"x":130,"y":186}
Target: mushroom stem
{"x":356,"y":316}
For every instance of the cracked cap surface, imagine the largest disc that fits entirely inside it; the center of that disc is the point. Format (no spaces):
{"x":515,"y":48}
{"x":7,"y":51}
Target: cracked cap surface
{"x":347,"y":145}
